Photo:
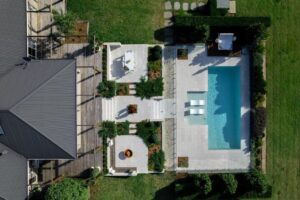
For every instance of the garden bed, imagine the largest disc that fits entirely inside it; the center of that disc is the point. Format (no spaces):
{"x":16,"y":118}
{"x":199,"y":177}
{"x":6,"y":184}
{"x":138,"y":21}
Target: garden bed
{"x":151,"y":133}
{"x":122,"y":89}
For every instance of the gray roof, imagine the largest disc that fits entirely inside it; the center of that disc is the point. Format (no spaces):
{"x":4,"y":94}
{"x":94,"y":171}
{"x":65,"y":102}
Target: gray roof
{"x":39,"y":97}
{"x":13,"y":173}
{"x":37,"y":104}
{"x":223,"y":4}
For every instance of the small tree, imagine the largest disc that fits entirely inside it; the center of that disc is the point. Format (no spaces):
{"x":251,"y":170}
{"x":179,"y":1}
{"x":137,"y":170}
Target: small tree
{"x":203,"y":183}
{"x":230,"y":183}
{"x":108,"y":129}
{"x":107,"y":88}
{"x":157,"y":160}
{"x":68,"y":189}
{"x":65,"y":22}
{"x":257,"y":181}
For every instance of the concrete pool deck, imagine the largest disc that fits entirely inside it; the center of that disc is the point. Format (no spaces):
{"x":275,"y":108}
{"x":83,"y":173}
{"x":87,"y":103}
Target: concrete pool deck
{"x":192,"y":140}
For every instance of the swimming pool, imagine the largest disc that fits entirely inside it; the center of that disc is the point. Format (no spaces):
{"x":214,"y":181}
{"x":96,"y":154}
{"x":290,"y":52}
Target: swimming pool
{"x":224,"y":108}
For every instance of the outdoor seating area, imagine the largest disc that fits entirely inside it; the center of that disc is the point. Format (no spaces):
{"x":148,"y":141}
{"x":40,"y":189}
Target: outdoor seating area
{"x":128,"y":156}
{"x":126,"y":63}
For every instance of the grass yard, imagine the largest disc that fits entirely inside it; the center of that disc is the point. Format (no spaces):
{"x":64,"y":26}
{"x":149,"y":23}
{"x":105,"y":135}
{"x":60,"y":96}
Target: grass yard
{"x":134,"y":188}
{"x":126,"y":21}
{"x":283,"y":86}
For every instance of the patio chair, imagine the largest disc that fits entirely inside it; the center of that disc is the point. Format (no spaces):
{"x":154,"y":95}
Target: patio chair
{"x":194,"y":103}
{"x":193,"y":111}
{"x":200,"y":111}
{"x":201,"y":102}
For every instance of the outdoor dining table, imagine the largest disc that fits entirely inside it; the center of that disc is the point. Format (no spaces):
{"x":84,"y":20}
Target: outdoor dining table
{"x":128,"y":62}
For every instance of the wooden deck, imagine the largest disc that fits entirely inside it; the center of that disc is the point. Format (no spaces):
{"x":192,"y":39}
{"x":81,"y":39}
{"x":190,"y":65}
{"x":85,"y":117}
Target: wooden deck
{"x":89,"y":144}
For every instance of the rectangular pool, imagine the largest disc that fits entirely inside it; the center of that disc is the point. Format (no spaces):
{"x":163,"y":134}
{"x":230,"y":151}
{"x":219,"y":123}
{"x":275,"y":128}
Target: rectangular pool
{"x":224,"y":107}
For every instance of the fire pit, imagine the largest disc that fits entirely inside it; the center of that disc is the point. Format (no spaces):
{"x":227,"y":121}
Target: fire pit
{"x":128,"y":153}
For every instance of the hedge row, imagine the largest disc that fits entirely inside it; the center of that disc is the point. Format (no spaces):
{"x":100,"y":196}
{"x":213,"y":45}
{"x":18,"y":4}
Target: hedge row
{"x":104,"y":63}
{"x":221,"y":21}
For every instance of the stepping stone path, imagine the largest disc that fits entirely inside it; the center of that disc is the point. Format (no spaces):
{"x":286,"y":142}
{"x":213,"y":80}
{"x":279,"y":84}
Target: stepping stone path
{"x":176,"y":6}
{"x":168,"y":15}
{"x":170,"y":7}
{"x":185,"y":6}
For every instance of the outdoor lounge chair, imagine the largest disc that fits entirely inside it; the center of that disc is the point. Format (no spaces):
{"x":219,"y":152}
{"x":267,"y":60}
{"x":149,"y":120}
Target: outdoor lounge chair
{"x":201,"y":102}
{"x":201,"y":111}
{"x":196,"y":111}
{"x":197,"y":102}
{"x":193,"y":111}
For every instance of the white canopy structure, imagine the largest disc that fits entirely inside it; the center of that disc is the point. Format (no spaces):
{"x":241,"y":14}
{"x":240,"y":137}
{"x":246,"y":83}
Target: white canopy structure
{"x":225,"y":41}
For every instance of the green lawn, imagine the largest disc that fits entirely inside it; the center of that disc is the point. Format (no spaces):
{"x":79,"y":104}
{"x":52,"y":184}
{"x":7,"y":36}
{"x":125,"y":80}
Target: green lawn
{"x":283,"y":85}
{"x":126,"y":21}
{"x":141,"y":187}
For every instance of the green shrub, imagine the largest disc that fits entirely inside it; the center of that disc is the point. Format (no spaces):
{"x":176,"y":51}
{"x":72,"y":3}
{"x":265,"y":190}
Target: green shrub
{"x":146,"y":130}
{"x":94,"y":173}
{"x":104,"y":63}
{"x":257,"y":181}
{"x":258,"y":83}
{"x":123,"y":128}
{"x":203,"y":31}
{"x":230,"y":183}
{"x":149,"y":88}
{"x":178,"y":187}
{"x":107,"y":89}
{"x":155,"y":53}
{"x":157,"y":161}
{"x":154,"y":66}
{"x":65,"y":22}
{"x":68,"y":189}
{"x":108,"y":129}
{"x":203,"y":183}
{"x":154,"y":139}
{"x":122,"y":89}
{"x":260,"y":121}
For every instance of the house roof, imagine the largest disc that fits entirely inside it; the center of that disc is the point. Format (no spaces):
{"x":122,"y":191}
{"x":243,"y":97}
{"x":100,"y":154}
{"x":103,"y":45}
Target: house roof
{"x":37,"y":104}
{"x":13,"y":173}
{"x":38,"y":100}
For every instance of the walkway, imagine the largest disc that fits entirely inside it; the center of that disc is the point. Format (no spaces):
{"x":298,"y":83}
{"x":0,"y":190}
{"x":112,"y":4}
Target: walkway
{"x":169,"y":94}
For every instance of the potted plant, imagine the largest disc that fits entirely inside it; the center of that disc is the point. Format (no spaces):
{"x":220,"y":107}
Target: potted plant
{"x":132,"y":108}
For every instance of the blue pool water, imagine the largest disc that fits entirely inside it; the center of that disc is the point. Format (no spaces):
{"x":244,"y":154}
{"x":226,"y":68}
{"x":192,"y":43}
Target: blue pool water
{"x":223,"y":108}
{"x":197,"y":119}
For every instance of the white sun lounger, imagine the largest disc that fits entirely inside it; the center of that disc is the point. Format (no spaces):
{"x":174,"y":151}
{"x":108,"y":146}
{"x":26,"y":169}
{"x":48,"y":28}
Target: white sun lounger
{"x":201,"y":102}
{"x":196,"y":111}
{"x":197,"y":102}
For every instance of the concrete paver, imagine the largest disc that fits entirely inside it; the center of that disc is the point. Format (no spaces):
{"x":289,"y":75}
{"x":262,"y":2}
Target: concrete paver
{"x":185,"y":6}
{"x":168,"y":5}
{"x":176,"y":5}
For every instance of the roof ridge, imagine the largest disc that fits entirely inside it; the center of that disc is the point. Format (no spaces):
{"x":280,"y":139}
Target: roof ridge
{"x":16,"y":115}
{"x":40,"y":86}
{"x":12,"y":109}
